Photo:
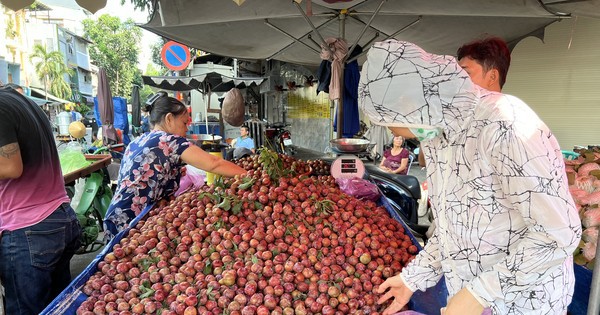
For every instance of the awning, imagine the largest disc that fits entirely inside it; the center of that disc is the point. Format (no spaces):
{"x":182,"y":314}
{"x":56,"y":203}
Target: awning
{"x":213,"y":80}
{"x":39,"y":101}
{"x":41,"y":94}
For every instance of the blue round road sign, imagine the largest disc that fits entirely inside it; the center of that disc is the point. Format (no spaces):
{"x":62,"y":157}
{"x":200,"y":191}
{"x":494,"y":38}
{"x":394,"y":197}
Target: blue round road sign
{"x":175,"y":56}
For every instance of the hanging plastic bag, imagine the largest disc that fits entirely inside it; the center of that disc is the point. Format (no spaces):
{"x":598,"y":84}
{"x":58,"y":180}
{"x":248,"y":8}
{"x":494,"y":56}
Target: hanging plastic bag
{"x":193,"y":178}
{"x":79,"y":189}
{"x":71,"y":158}
{"x":359,"y":188}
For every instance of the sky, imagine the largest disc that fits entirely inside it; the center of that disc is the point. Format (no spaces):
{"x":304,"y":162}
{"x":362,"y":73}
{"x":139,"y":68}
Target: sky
{"x":125,"y":11}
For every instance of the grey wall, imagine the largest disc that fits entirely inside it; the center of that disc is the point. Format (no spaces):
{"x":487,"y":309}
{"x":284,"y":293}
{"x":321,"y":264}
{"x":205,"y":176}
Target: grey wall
{"x":310,"y":133}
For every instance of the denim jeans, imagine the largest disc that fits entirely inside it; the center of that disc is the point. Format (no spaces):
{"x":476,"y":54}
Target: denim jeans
{"x":34,"y":261}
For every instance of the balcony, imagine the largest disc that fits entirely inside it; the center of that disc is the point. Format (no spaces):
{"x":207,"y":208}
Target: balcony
{"x":83,"y":61}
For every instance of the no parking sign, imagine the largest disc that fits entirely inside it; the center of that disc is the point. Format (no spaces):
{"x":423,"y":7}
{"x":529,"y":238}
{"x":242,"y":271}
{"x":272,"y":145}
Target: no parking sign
{"x":175,"y":56}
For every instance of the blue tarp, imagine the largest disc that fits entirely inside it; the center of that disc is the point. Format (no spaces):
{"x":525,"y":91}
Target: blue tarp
{"x":120,"y":121}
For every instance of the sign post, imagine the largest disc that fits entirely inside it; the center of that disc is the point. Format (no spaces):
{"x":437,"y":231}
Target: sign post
{"x":175,"y":56}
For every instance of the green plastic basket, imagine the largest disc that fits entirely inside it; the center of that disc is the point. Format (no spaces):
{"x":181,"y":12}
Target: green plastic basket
{"x":569,"y":155}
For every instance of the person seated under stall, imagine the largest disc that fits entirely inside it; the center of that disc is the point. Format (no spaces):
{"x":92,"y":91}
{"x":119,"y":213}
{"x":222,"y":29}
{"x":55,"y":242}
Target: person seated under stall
{"x":241,"y":146}
{"x":395,"y":159}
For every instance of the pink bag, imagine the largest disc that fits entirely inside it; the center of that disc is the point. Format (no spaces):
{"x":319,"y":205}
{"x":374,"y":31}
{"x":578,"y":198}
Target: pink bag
{"x":193,"y":178}
{"x":359,"y":188}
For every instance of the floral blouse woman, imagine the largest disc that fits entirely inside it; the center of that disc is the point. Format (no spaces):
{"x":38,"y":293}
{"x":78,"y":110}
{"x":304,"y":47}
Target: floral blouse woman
{"x":395,"y":160}
{"x":152,"y":164}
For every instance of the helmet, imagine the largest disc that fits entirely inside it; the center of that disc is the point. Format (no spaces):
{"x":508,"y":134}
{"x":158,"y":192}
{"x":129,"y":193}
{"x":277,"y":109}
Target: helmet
{"x":77,"y":129}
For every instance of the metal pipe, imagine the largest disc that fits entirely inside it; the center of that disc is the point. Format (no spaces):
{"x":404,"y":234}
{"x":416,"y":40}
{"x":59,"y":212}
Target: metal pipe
{"x":406,"y":27}
{"x":160,"y":13}
{"x":312,"y":40}
{"x":315,"y":30}
{"x":340,"y":115}
{"x":309,"y":37}
{"x":395,"y":33}
{"x":365,"y":28}
{"x":289,"y":35}
{"x":367,"y":44}
{"x":342,"y":25}
{"x":594,"y":300}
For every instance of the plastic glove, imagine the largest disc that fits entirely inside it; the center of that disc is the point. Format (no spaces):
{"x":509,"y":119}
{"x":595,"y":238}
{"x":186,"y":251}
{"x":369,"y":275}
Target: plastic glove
{"x":398,"y":290}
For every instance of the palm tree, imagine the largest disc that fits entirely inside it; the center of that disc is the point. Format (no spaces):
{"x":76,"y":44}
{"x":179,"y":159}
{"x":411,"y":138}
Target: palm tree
{"x":51,"y":67}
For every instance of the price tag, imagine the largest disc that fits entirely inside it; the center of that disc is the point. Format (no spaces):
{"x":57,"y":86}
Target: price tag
{"x":347,"y":166}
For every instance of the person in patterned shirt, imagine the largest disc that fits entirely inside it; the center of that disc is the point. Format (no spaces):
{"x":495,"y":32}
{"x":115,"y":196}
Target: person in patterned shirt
{"x":507,"y":225}
{"x":152,"y":164}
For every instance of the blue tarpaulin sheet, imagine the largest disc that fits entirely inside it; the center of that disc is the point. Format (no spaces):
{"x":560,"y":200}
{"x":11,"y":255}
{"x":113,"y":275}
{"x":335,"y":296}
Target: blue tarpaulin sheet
{"x":120,"y":120}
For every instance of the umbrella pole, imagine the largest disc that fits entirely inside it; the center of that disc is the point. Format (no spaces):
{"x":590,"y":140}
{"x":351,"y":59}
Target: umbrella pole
{"x":594,"y":299}
{"x":340,"y":109}
{"x":207,"y":105}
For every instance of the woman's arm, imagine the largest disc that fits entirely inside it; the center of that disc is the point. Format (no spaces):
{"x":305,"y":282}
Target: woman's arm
{"x":403,"y":165}
{"x":203,"y":160}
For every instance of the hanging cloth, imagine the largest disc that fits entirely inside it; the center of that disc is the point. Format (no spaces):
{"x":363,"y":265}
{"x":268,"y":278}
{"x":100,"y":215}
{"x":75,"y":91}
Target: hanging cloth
{"x":336,"y":52}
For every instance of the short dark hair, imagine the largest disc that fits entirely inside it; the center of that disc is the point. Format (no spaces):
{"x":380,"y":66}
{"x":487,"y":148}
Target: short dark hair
{"x":160,"y":104}
{"x":490,"y":53}
{"x":245,"y":127}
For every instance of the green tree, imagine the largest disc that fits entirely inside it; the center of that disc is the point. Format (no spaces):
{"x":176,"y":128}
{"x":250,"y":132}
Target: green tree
{"x":156,"y":49}
{"x":146,"y":91}
{"x":115,"y":49}
{"x":51,"y":68}
{"x":142,"y":5}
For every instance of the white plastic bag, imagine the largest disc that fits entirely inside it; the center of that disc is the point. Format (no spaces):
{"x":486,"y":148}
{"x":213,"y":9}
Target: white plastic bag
{"x":79,"y":188}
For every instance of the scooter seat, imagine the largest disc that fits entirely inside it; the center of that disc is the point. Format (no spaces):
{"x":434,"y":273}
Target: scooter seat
{"x":409,"y":182}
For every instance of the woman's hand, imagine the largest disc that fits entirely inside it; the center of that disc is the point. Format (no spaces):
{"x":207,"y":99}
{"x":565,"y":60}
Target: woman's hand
{"x":463,"y":303}
{"x":398,"y":290}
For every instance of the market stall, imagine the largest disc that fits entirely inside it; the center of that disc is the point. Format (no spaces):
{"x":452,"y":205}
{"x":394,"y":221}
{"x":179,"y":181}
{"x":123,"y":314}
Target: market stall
{"x":205,"y":84}
{"x":121,"y":261}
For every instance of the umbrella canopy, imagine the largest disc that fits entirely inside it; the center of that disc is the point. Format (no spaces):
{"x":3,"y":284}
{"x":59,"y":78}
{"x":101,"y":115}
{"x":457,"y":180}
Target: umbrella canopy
{"x":276,"y":29}
{"x":136,"y":112}
{"x":213,"y":81}
{"x":106,"y":108}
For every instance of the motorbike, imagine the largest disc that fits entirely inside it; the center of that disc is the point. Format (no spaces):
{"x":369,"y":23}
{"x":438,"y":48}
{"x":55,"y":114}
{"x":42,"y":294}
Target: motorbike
{"x":279,"y":139}
{"x":94,"y":195}
{"x":402,"y":193}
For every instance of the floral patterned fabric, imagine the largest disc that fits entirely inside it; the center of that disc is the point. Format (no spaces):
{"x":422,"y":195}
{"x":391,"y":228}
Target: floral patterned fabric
{"x":150,"y":171}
